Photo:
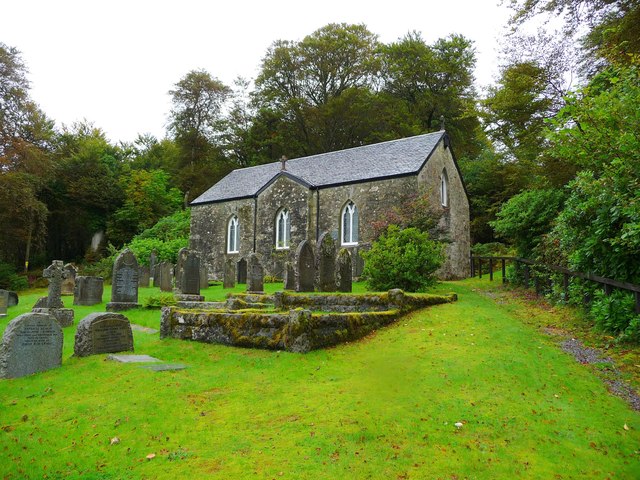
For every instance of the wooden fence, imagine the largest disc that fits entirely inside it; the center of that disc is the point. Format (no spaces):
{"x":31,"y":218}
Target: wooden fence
{"x":607,"y":283}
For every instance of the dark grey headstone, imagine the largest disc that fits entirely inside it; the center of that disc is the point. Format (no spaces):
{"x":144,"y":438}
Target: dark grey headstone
{"x":42,"y":302}
{"x":326,"y":263}
{"x":156,"y":275}
{"x":55,"y":273}
{"x":242,"y":271}
{"x":144,"y":276}
{"x":204,"y":276}
{"x":153,"y":260}
{"x":305,"y":267}
{"x":69,"y":282}
{"x":255,"y":274}
{"x":31,"y":343}
{"x":229,"y":280}
{"x":124,"y":282}
{"x":13,"y":299}
{"x":88,"y":290}
{"x":103,"y":333}
{"x":64,"y":316}
{"x":190,"y":284}
{"x":166,"y":276}
{"x":344,"y":271}
{"x":289,"y":276}
{"x":4,"y":302}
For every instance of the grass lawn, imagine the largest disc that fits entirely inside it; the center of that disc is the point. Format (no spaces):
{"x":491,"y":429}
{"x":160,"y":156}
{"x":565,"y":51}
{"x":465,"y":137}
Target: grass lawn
{"x":383,"y":408}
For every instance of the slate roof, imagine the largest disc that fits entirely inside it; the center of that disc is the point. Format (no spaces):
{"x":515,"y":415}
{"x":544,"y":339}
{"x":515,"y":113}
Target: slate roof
{"x":371,"y":162}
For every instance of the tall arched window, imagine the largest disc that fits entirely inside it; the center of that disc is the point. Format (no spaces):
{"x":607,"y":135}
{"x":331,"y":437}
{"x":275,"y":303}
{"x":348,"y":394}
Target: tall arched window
{"x":283,"y":229}
{"x":350,"y":224}
{"x":233,"y":235}
{"x":444,"y":188}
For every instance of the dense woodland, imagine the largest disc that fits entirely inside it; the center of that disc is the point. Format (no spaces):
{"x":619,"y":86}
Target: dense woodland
{"x":550,"y":153}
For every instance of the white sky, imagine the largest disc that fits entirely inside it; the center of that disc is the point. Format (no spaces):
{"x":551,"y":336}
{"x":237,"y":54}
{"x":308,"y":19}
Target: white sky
{"x":112,"y":62}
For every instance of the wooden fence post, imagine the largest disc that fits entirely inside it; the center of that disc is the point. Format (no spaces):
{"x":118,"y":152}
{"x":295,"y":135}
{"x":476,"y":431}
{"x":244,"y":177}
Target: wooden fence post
{"x":479,"y":268}
{"x":491,"y":269}
{"x":504,"y":272}
{"x":565,"y":284}
{"x":608,"y":289}
{"x":637,"y":294}
{"x":526,"y":276}
{"x":473,"y":267}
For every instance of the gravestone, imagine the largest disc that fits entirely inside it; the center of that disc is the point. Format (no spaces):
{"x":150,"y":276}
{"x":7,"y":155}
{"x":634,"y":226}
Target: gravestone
{"x":156,"y":275}
{"x":103,"y":333}
{"x":69,"y":282}
{"x":153,"y":261}
{"x":144,"y":276}
{"x":326,"y":263}
{"x":305,"y":267}
{"x":31,"y":343}
{"x":344,"y":271}
{"x":190,"y":281}
{"x":229,"y":280}
{"x":242,"y":271}
{"x":204,"y":276}
{"x":179,"y":270}
{"x":13,"y":299}
{"x":124,"y":282}
{"x":166,"y":276}
{"x":88,"y":290}
{"x":52,"y":303}
{"x":289,"y":276}
{"x":4,"y":302}
{"x":255,"y":275}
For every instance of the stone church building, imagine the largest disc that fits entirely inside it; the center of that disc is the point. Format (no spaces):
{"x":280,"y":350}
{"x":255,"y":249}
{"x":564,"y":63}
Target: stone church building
{"x":269,"y":209}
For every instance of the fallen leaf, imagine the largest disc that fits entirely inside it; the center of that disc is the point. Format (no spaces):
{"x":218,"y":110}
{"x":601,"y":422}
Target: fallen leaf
{"x":626,"y":427}
{"x":115,"y":441}
{"x":151,"y":456}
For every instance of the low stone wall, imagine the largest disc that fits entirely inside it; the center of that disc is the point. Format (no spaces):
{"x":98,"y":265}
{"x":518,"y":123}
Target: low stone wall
{"x":293,"y":329}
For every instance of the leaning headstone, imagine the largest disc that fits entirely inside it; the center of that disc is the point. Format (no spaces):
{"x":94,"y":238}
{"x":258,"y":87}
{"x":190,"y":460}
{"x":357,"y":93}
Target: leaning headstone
{"x":52,"y":304}
{"x":229,"y":280}
{"x":124,"y":282}
{"x":326,"y":263}
{"x":255,"y":275}
{"x":289,"y":276}
{"x":305,"y":267}
{"x":166,"y":276}
{"x":4,"y":302}
{"x":88,"y":290}
{"x":144,"y":276}
{"x":13,"y":299}
{"x":69,"y":282}
{"x":31,"y":343}
{"x":242,"y":271}
{"x":179,"y":270}
{"x":344,"y":272}
{"x":103,"y":333}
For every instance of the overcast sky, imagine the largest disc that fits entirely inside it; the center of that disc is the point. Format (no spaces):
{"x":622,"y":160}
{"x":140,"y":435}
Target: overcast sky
{"x":112,"y":62}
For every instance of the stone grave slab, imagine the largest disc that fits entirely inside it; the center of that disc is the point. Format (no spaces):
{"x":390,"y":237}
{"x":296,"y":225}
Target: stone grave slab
{"x":69,"y":282}
{"x":103,"y":333}
{"x":133,"y":358}
{"x":230,"y":274}
{"x":31,"y":343}
{"x":164,"y":367}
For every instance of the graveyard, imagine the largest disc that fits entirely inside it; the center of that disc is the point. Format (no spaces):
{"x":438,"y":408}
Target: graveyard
{"x":471,"y":388}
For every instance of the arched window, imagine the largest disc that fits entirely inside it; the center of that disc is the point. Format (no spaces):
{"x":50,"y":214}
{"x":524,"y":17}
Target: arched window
{"x":233,"y":235}
{"x":444,"y":188}
{"x":283,"y":229}
{"x":350,"y":224}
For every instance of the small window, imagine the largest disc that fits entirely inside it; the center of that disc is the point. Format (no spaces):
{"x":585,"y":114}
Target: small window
{"x":444,"y":188}
{"x":350,"y":224}
{"x":283,"y":229}
{"x":233,"y":235}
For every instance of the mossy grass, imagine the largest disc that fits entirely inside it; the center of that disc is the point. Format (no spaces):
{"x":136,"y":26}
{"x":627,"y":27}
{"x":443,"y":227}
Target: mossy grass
{"x":383,"y":407}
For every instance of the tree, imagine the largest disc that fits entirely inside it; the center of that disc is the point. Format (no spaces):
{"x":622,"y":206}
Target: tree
{"x":195,"y":123}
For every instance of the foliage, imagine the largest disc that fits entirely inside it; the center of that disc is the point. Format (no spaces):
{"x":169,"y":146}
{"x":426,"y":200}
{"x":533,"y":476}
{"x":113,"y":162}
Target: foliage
{"x":159,"y":301}
{"x":416,"y":211}
{"x":10,"y":280}
{"x":526,"y":216}
{"x":402,"y":258}
{"x":615,"y":313}
{"x":166,"y":237}
{"x":599,"y":228}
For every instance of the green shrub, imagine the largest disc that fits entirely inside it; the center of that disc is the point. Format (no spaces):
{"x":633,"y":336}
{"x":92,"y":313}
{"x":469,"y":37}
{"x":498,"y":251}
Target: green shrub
{"x":613,"y":313}
{"x":159,"y":301}
{"x":406,"y":259}
{"x":10,"y":280}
